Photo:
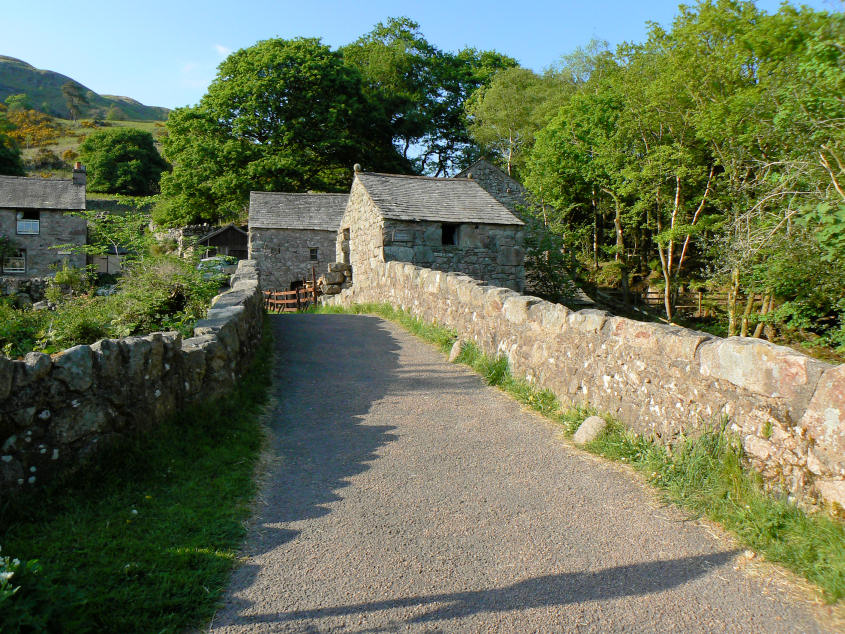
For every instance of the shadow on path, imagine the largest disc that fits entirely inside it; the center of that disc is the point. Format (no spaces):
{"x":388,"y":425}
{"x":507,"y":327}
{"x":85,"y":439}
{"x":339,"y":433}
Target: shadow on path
{"x":329,"y":371}
{"x":539,"y":592}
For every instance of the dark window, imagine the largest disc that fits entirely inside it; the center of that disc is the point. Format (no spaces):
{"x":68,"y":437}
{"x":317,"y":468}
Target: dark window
{"x":15,"y":263}
{"x":313,"y":252}
{"x":450,"y":233}
{"x":29,"y":223}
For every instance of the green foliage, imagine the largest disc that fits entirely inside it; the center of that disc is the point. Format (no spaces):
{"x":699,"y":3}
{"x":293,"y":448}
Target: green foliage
{"x":18,"y":102}
{"x":122,"y":161}
{"x":153,"y":294}
{"x":144,"y":542}
{"x":713,"y":150}
{"x":282,"y":115}
{"x":11,"y":161}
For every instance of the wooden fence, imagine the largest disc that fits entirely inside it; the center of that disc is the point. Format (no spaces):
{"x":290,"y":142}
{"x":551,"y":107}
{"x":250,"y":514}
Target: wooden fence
{"x":290,"y":301}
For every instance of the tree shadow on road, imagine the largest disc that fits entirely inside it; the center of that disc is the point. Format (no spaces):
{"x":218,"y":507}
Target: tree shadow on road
{"x":538,"y":592}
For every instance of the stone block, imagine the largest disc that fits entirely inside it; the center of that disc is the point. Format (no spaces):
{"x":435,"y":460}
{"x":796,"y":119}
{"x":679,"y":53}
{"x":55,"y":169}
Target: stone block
{"x":494,"y":299}
{"x":86,"y":420}
{"x":763,"y":368}
{"x":335,"y":277}
{"x":35,"y":366}
{"x":832,"y":491}
{"x":423,"y":254}
{"x":433,"y":236}
{"x":824,"y":418}
{"x":510,"y":256}
{"x":515,"y":308}
{"x":403,"y":254}
{"x":587,"y":320}
{"x":338,"y":267}
{"x":7,"y":369}
{"x":108,"y":360}
{"x":589,"y":430}
{"x":73,"y":367}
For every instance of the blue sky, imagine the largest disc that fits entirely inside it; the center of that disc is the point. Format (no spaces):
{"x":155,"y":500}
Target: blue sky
{"x":166,"y":53}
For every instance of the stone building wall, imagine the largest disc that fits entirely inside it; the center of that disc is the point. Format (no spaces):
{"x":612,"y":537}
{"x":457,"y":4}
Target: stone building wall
{"x":55,"y":228}
{"x":284,"y":255}
{"x":500,"y":186}
{"x":491,"y":253}
{"x":57,"y":411}
{"x":664,"y":381}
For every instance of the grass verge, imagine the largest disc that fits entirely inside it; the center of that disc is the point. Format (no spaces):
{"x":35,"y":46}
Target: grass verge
{"x":145,"y":541}
{"x":705,"y":474}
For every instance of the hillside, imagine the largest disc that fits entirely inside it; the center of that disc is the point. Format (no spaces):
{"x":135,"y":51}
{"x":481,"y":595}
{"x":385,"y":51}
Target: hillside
{"x":43,"y":87}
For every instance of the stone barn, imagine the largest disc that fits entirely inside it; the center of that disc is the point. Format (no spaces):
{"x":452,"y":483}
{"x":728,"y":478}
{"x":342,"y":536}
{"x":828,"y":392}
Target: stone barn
{"x":291,"y":233}
{"x":439,"y":223}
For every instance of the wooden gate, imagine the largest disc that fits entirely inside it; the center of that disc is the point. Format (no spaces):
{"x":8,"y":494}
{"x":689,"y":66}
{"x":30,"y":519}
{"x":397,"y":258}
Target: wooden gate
{"x":290,"y":301}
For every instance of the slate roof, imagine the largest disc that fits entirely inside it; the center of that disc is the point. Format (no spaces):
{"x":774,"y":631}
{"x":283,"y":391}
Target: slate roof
{"x":20,"y":192}
{"x":274,"y":210}
{"x":413,"y":198}
{"x":484,"y":163}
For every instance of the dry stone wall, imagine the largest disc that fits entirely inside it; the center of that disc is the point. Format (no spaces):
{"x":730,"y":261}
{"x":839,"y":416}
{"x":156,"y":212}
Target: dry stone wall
{"x":660,"y":380}
{"x":57,"y":411}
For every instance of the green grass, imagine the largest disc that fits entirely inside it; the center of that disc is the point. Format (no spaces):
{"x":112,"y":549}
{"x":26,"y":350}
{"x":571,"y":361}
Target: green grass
{"x":705,"y":474}
{"x":144,"y":542}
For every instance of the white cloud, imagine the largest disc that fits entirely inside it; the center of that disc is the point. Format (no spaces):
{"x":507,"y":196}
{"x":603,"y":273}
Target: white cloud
{"x":222,"y":51}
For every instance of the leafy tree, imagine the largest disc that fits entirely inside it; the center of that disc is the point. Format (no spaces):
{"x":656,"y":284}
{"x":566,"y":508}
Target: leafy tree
{"x":11,"y":162}
{"x":282,"y":115}
{"x":18,"y":102}
{"x":505,"y":115}
{"x":75,"y":98}
{"x":422,"y":91}
{"x":122,"y":161}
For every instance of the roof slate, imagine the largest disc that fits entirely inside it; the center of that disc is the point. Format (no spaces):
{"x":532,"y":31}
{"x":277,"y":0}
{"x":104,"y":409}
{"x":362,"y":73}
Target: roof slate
{"x":20,"y":192}
{"x":275,"y":210}
{"x":413,"y":198}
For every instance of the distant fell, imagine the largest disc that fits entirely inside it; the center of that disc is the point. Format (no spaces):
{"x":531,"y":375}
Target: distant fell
{"x":44,"y":89}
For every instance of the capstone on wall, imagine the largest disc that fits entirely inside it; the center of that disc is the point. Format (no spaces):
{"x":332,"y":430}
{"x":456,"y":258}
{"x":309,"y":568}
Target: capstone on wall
{"x":660,"y":380}
{"x":57,"y":411}
{"x":284,"y":255}
{"x":54,"y":228}
{"x":487,"y":252}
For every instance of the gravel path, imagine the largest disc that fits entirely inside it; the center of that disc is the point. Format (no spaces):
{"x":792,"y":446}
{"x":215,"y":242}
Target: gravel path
{"x":405,"y":495}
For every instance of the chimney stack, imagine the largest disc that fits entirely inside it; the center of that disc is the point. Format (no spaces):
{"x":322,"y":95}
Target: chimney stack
{"x":79,"y":175}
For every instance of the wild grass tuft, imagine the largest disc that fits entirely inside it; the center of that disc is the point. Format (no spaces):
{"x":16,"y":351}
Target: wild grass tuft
{"x":145,"y":541}
{"x":705,"y":474}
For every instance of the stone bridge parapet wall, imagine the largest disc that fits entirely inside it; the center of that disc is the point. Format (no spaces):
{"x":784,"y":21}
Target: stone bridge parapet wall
{"x":660,"y":380}
{"x":57,"y":411}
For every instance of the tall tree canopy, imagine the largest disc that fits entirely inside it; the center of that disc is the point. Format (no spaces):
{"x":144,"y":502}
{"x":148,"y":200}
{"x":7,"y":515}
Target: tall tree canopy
{"x":714,"y":150}
{"x":422,"y":91}
{"x":122,"y":161}
{"x":282,"y":115}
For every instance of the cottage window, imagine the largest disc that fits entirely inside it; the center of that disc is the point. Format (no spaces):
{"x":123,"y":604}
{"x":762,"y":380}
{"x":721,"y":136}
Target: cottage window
{"x":313,"y":253}
{"x":15,"y":263}
{"x":29,"y":223}
{"x":450,"y":233}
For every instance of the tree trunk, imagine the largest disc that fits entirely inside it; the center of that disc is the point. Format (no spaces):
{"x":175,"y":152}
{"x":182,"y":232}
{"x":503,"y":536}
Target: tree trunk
{"x":764,"y":309}
{"x":595,"y":229}
{"x":749,"y":304}
{"x":732,"y":296}
{"x":620,"y":247}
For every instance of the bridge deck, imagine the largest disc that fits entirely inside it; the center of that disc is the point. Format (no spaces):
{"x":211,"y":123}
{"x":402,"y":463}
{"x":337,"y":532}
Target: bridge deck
{"x":405,"y":495}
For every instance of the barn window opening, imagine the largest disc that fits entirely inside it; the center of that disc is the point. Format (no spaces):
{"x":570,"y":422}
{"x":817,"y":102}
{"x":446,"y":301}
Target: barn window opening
{"x":450,"y":233}
{"x":29,"y":223}
{"x":313,"y":252}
